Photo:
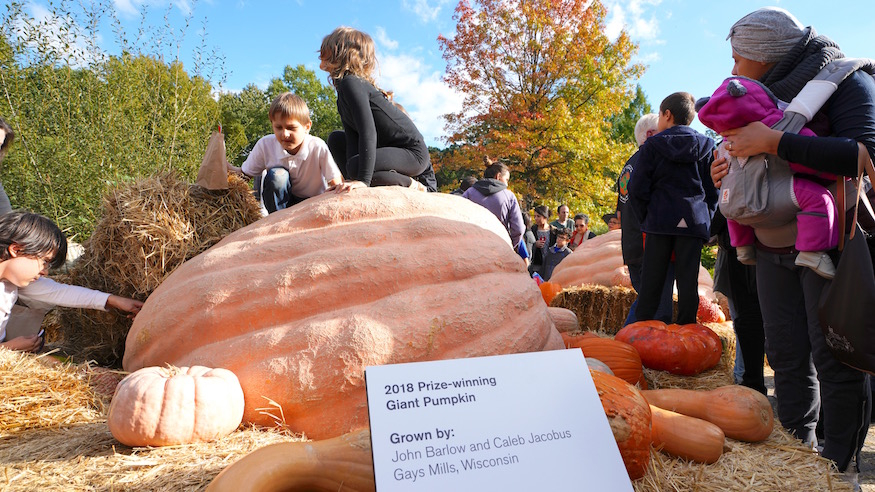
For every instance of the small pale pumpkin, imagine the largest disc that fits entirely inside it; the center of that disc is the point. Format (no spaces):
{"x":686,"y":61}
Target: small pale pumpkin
{"x":162,"y":406}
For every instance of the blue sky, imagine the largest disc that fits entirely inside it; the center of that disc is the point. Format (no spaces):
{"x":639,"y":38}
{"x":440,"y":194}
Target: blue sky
{"x":682,"y":42}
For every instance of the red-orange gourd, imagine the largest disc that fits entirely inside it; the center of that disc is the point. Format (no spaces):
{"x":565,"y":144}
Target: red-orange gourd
{"x":629,"y":417}
{"x":679,"y":349}
{"x":342,"y":463}
{"x":742,"y":413}
{"x":300,"y":302}
{"x":549,"y":290}
{"x":621,"y":357}
{"x":162,"y":406}
{"x":686,"y":437}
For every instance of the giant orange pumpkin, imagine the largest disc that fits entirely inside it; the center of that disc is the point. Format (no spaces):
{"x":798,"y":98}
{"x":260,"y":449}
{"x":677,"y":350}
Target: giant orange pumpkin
{"x":679,"y":349}
{"x":299,"y":303}
{"x":630,"y":420}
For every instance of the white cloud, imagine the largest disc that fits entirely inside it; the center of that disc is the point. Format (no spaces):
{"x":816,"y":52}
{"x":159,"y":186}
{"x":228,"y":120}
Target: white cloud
{"x":384,"y":40}
{"x":423,"y":9}
{"x":422,"y":92}
{"x":636,"y":16}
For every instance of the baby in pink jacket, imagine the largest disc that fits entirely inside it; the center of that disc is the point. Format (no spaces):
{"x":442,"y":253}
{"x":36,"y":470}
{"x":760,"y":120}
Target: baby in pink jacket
{"x":740,"y":101}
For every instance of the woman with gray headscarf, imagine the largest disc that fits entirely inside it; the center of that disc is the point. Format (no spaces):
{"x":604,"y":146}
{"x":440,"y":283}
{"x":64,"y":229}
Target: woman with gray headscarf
{"x":772,"y":46}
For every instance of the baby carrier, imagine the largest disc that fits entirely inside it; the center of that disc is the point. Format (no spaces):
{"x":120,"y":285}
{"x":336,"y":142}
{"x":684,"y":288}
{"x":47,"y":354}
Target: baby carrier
{"x":759,"y":194}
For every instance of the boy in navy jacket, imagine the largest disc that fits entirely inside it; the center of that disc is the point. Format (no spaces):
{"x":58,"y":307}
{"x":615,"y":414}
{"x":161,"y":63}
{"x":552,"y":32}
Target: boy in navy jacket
{"x":673,"y":197}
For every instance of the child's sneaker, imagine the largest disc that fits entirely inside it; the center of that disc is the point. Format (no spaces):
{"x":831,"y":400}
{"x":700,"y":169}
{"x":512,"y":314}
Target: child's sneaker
{"x":747,"y":255}
{"x":818,"y":261}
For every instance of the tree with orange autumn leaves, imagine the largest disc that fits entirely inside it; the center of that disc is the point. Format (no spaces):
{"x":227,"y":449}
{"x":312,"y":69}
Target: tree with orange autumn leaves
{"x":541,"y":81}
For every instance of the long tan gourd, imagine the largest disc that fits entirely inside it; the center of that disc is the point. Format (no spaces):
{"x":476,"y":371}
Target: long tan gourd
{"x":742,"y":413}
{"x":299,"y":303}
{"x":686,"y":437}
{"x":342,"y":463}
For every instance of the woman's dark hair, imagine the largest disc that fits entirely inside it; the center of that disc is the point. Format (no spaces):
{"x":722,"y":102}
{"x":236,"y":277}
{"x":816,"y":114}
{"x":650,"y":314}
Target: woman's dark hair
{"x":35,"y":234}
{"x":10,"y":136}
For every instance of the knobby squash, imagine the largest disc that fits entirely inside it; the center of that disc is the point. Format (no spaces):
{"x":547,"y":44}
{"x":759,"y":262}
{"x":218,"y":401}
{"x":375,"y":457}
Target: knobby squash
{"x":162,"y":406}
{"x":629,"y":417}
{"x":686,"y":437}
{"x":341,"y":463}
{"x":742,"y":413}
{"x":300,"y":302}
{"x":686,"y":350}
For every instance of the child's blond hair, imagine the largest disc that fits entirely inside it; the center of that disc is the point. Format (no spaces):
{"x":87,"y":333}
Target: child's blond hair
{"x":290,"y":105}
{"x":349,"y":51}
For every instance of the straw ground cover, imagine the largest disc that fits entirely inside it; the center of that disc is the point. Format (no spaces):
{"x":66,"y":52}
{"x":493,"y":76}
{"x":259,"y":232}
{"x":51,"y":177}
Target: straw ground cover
{"x":60,"y":441}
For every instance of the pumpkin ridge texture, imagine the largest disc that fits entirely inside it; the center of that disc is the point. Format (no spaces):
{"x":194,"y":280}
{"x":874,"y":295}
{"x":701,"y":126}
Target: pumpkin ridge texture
{"x":424,"y":276}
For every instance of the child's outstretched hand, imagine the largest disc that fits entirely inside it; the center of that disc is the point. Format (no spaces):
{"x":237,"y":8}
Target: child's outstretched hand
{"x":30,"y":343}
{"x":131,"y":306}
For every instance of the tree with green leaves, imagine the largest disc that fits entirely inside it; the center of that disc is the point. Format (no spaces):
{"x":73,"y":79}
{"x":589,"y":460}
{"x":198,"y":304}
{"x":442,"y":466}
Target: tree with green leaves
{"x":85,"y":120}
{"x":541,"y":82}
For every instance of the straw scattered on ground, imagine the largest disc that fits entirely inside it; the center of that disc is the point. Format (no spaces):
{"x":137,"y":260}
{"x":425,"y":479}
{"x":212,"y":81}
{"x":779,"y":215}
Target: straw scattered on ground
{"x":63,"y":444}
{"x":147,"y":229}
{"x":779,"y":464}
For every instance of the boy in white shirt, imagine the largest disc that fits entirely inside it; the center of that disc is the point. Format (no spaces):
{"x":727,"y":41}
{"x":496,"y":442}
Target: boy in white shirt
{"x":298,"y":165}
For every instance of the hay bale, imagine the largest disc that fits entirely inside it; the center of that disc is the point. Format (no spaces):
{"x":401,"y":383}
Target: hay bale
{"x":38,"y":394}
{"x":717,"y":376}
{"x":147,"y":229}
{"x":598,"y":308}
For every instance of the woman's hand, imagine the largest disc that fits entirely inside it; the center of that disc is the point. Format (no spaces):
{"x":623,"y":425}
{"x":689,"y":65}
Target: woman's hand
{"x":347,"y":186}
{"x":30,"y":343}
{"x":719,"y":169}
{"x":755,"y":138}
{"x":131,"y":306}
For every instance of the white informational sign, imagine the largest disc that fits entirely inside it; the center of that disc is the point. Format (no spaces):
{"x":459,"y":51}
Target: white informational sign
{"x":512,"y":422}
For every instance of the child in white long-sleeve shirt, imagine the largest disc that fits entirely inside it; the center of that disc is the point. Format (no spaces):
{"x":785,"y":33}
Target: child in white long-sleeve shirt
{"x":29,"y":245}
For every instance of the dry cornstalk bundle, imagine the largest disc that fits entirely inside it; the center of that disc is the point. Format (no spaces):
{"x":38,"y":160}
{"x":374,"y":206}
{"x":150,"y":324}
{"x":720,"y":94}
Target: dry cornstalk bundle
{"x":598,"y":308}
{"x":147,"y":229}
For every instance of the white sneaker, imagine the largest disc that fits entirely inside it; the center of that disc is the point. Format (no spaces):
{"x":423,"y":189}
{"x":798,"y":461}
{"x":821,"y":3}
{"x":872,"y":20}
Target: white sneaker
{"x":818,"y":261}
{"x":852,"y":477}
{"x":747,"y":255}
